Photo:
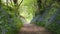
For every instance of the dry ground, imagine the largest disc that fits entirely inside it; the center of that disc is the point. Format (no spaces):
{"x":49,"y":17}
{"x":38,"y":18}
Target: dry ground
{"x":33,"y":29}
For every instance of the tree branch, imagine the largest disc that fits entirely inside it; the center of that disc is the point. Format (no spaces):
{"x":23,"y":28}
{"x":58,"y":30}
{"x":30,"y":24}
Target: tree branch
{"x":7,"y":2}
{"x":20,"y":3}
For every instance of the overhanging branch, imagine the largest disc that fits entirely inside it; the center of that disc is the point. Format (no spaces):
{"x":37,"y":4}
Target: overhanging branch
{"x":20,"y":3}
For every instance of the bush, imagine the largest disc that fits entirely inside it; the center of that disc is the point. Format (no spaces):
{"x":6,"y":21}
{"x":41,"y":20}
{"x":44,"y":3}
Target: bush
{"x":9,"y":22}
{"x":54,"y":27}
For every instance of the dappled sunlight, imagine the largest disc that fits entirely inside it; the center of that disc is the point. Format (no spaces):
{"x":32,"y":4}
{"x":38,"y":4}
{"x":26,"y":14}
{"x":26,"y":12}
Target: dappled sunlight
{"x":29,"y":16}
{"x":27,"y":11}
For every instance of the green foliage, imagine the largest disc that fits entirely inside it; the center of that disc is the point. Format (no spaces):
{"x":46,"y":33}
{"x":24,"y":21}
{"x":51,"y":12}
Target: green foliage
{"x":10,"y":23}
{"x":40,"y":23}
{"x":28,"y":9}
{"x":54,"y":27}
{"x":49,"y":9}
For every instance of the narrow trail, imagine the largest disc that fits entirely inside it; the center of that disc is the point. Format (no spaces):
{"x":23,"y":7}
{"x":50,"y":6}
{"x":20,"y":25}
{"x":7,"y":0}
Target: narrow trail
{"x":33,"y":29}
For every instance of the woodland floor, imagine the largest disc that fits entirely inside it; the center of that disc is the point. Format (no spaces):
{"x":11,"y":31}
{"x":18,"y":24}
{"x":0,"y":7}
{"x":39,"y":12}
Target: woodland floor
{"x":33,"y":29}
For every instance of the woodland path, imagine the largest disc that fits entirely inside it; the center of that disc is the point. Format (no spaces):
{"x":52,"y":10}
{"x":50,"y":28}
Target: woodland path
{"x":33,"y":29}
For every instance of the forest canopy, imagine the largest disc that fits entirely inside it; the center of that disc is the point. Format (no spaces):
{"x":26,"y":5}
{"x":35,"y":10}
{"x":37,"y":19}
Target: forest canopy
{"x":15,"y":13}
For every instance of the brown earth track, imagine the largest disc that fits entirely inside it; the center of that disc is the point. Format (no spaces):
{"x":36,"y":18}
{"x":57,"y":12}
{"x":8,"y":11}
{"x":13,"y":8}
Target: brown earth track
{"x":33,"y":29}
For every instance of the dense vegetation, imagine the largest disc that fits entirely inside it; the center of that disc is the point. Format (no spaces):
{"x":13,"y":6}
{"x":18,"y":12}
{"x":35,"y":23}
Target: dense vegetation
{"x":10,"y":21}
{"x":13,"y":13}
{"x":48,"y":15}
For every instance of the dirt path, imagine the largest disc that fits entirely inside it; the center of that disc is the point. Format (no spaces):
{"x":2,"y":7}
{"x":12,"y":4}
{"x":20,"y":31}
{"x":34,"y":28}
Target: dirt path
{"x":33,"y":29}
